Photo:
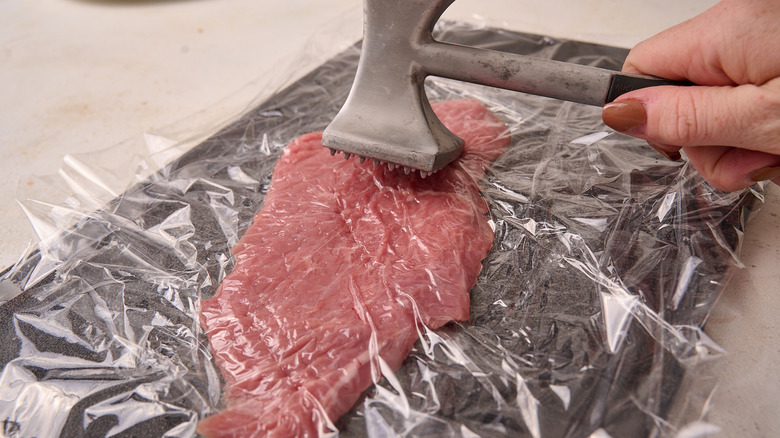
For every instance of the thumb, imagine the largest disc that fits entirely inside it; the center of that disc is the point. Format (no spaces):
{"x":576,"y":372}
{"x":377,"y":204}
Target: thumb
{"x":745,"y":116}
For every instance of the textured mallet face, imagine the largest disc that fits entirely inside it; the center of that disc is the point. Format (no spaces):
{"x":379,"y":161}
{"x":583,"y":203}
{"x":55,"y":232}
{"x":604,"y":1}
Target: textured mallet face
{"x":377,"y":162}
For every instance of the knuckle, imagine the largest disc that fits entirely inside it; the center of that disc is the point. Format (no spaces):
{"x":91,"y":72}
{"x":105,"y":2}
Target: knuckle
{"x":770,"y":99}
{"x":764,"y":115}
{"x":685,"y":124}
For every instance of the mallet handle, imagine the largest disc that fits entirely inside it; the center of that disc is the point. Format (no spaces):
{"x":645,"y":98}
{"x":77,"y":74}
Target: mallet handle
{"x":527,"y":74}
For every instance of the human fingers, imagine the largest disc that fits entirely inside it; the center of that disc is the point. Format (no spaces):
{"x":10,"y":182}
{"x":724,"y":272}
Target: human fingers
{"x":730,"y":169}
{"x":745,"y":116}
{"x":686,"y":51}
{"x":728,"y":44}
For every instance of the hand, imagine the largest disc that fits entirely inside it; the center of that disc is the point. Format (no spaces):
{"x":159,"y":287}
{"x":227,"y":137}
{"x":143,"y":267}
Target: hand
{"x":729,"y":124}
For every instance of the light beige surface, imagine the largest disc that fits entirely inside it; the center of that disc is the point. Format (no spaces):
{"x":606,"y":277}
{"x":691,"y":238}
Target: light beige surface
{"x":79,"y":76}
{"x":745,"y":323}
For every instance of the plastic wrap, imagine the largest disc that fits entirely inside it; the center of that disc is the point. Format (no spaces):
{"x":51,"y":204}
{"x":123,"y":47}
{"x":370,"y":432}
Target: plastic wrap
{"x":586,"y":319}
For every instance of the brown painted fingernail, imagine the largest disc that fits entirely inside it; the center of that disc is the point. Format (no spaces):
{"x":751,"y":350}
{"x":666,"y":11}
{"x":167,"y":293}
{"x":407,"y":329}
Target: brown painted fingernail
{"x":624,"y":116}
{"x":671,"y":155}
{"x":766,"y":174}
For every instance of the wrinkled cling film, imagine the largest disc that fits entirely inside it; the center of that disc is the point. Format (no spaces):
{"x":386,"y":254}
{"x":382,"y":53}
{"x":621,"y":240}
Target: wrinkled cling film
{"x":586,"y":320}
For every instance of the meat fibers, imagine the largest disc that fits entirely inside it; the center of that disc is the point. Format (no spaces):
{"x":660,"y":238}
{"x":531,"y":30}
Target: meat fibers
{"x":336,"y":274}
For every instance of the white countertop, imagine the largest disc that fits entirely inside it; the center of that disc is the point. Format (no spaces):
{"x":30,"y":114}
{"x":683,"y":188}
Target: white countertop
{"x":78,"y":76}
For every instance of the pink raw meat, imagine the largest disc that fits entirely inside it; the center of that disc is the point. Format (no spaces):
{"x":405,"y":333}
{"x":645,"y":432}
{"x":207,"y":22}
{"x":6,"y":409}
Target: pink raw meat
{"x":339,"y":268}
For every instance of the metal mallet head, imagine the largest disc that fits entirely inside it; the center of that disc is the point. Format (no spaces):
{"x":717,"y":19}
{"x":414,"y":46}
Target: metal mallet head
{"x":387,"y":116}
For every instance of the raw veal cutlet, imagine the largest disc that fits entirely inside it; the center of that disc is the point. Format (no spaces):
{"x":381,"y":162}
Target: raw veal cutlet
{"x":339,"y":268}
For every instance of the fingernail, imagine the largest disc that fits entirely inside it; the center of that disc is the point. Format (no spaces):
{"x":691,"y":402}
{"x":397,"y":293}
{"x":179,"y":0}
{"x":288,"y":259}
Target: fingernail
{"x":624,"y":116}
{"x":671,"y":155}
{"x":766,"y":174}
